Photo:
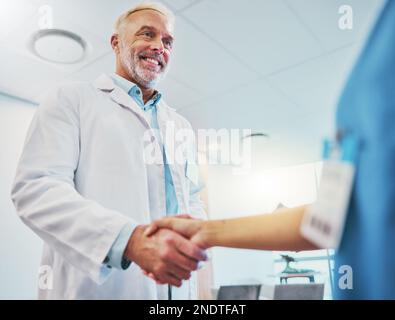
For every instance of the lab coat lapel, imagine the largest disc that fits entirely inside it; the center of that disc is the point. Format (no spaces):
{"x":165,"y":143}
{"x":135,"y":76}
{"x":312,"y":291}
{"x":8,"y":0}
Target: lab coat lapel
{"x":163,"y":127}
{"x":122,"y":98}
{"x":168,"y":129}
{"x":119,"y":96}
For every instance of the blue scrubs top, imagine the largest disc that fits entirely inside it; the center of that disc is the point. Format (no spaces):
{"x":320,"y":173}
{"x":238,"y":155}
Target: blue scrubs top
{"x":367,"y":110}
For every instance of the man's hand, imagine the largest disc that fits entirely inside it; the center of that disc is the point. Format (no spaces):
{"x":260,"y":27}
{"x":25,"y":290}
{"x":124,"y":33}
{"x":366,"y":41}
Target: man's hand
{"x":184,"y":225}
{"x":166,"y":255}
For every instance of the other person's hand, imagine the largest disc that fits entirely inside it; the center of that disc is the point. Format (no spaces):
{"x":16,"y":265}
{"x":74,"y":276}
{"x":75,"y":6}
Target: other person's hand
{"x":182,"y":224}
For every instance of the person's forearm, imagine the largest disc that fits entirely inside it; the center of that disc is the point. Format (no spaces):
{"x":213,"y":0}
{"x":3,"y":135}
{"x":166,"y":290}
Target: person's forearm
{"x":279,"y":231}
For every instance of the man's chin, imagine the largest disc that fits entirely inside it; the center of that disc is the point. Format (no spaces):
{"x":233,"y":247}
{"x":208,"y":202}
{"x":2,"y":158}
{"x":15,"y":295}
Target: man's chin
{"x":148,"y":82}
{"x":151,"y":78}
{"x":151,"y":74}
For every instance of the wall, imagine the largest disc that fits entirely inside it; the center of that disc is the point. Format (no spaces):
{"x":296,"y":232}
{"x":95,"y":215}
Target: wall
{"x":260,"y":191}
{"x":20,"y":248}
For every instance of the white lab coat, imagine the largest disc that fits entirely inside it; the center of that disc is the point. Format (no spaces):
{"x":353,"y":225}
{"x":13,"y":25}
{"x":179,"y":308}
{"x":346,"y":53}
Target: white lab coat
{"x":82,"y":177}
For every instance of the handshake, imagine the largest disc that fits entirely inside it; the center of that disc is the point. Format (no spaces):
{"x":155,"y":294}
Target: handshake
{"x":168,"y":250}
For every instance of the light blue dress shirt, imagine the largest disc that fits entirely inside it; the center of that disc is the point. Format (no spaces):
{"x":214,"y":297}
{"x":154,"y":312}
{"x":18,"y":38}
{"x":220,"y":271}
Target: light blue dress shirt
{"x":115,"y":256}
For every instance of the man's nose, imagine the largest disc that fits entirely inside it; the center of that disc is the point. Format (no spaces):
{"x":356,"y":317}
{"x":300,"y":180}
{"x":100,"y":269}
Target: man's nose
{"x":157,"y":46}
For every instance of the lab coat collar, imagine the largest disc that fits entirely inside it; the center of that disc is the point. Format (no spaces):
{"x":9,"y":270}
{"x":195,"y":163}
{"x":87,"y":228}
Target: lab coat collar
{"x":106,"y":83}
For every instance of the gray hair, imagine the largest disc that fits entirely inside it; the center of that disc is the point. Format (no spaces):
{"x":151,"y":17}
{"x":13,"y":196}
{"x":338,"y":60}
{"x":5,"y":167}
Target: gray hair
{"x":144,"y":6}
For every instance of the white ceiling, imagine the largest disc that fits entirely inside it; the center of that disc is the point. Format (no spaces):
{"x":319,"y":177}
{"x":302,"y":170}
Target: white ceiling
{"x":271,"y":65}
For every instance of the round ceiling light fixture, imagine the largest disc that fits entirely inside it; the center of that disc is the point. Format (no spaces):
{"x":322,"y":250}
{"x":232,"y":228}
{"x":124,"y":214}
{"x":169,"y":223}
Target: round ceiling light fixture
{"x":58,"y":46}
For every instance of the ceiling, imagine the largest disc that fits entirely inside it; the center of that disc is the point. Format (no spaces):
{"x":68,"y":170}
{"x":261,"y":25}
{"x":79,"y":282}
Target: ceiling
{"x":275,"y":66}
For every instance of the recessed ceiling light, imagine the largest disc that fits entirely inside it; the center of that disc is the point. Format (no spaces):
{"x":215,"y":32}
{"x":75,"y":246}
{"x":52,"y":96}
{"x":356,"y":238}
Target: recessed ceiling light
{"x":58,"y":46}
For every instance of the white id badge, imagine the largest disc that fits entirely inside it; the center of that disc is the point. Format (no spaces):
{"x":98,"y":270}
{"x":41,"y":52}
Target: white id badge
{"x":324,"y":220}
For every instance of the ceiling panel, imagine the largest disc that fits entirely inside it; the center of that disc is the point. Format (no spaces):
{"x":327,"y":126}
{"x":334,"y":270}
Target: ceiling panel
{"x":304,"y":131}
{"x":179,"y":5}
{"x":13,"y":14}
{"x":97,"y":17}
{"x":104,"y":64}
{"x":257,"y":106}
{"x":293,"y":140}
{"x":322,"y":16}
{"x":316,"y":85}
{"x":264,"y":34}
{"x":24,"y":77}
{"x":301,"y":137}
{"x":203,"y":65}
{"x":221,"y":47}
{"x":178,"y":95}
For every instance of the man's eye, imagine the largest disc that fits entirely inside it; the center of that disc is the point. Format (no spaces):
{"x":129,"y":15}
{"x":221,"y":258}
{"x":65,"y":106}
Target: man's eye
{"x":168,"y":43}
{"x":148,"y":34}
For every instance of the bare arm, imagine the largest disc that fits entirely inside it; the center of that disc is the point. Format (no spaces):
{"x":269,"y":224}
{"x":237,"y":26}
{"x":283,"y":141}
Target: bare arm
{"x":278,"y":231}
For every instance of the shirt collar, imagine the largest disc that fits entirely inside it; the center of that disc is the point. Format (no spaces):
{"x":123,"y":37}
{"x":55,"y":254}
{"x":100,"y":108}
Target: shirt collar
{"x":135,"y":92}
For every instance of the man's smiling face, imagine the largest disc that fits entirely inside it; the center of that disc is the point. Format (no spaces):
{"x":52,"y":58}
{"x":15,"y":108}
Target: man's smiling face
{"x":145,"y":43}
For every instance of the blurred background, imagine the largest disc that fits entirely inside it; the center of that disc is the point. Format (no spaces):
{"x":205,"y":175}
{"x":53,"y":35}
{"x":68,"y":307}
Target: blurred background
{"x":273,"y":66}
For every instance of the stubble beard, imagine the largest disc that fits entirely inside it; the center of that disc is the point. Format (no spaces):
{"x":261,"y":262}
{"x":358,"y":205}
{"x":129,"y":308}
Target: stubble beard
{"x":145,"y":78}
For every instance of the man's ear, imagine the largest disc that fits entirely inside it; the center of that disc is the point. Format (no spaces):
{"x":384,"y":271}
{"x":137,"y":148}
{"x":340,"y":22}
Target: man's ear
{"x":115,"y":42}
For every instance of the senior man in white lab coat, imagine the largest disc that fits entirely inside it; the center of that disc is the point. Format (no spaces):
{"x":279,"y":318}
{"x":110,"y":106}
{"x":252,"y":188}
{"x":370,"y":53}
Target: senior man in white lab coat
{"x":86,"y":186}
